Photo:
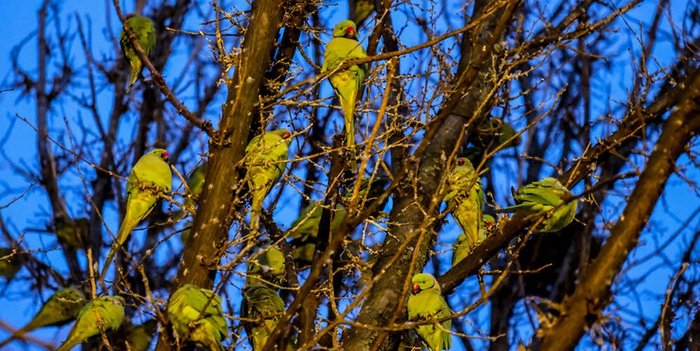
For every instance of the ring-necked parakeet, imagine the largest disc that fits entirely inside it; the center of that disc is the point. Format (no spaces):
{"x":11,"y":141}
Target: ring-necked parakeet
{"x":150,"y":177}
{"x":267,"y":268}
{"x":494,"y":131}
{"x":304,"y":231}
{"x":139,"y":337}
{"x":363,"y":8}
{"x":62,"y":307}
{"x":145,"y":32}
{"x":426,"y":303}
{"x":73,"y":233}
{"x":463,"y":193}
{"x":346,"y":83}
{"x":463,"y":247}
{"x":11,"y":262}
{"x":196,"y":316}
{"x":260,"y":310}
{"x":542,"y":197}
{"x":266,"y":157}
{"x":100,"y":315}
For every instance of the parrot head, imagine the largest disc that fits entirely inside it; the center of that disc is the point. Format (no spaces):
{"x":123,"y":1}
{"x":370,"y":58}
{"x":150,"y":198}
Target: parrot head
{"x":489,"y":222}
{"x":116,"y":299}
{"x":345,"y":29}
{"x":162,"y":153}
{"x":423,"y":282}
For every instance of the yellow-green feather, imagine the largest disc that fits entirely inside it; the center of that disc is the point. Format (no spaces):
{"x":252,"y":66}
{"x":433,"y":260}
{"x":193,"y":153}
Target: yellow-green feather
{"x":196,"y":315}
{"x":145,"y":32}
{"x":430,"y":304}
{"x":103,"y":314}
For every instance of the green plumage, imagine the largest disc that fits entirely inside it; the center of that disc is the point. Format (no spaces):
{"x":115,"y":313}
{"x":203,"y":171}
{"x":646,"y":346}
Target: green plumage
{"x":494,"y":132}
{"x":103,"y":314}
{"x":145,"y":32}
{"x":463,"y":247}
{"x":10,"y":262}
{"x":139,"y":337}
{"x":197,"y":316}
{"x":464,"y":195}
{"x":73,"y":233}
{"x":426,"y":303}
{"x":546,"y":197}
{"x":346,"y":83}
{"x":150,"y":177}
{"x":304,"y":230}
{"x":261,"y":309}
{"x":266,"y":157}
{"x":62,"y":307}
{"x":363,"y":9}
{"x":267,"y":268}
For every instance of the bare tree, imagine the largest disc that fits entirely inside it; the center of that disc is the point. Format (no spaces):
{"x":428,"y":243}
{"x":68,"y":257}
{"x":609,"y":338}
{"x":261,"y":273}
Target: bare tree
{"x":603,"y":96}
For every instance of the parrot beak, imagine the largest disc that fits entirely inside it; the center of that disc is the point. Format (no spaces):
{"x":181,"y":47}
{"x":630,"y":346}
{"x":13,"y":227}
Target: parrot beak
{"x":460,"y":161}
{"x":416,"y":288}
{"x":350,"y":32}
{"x":286,"y":135}
{"x":165,"y":155}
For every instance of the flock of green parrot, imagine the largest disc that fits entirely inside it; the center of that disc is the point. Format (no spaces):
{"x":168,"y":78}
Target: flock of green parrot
{"x":196,"y":314}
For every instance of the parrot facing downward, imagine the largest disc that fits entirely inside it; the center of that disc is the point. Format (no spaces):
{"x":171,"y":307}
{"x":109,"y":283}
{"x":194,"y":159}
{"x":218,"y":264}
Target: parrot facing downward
{"x":426,"y":303}
{"x":100,"y":315}
{"x":346,"y":83}
{"x":542,"y":197}
{"x":464,"y":194}
{"x":63,"y":306}
{"x":266,"y":155}
{"x":196,"y":316}
{"x":260,"y":310}
{"x":145,"y":32}
{"x":150,"y":177}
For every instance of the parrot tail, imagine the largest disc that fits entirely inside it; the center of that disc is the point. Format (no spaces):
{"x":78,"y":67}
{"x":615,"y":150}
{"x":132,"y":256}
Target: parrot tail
{"x":134,"y":73}
{"x":348,"y":106}
{"x":127,"y":225}
{"x":67,"y":345}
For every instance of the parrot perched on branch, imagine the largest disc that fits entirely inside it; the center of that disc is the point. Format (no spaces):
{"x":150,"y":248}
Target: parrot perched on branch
{"x":546,"y":197}
{"x":260,"y":310}
{"x":196,"y":184}
{"x":145,"y":32}
{"x":463,"y":246}
{"x":62,"y":307}
{"x":266,"y":157}
{"x":426,"y":303}
{"x":363,"y":9}
{"x":100,"y":315}
{"x":139,"y":337}
{"x":267,"y":268}
{"x":196,"y":315}
{"x":494,"y":132}
{"x":464,"y":195}
{"x":150,"y":177}
{"x":347,"y":83}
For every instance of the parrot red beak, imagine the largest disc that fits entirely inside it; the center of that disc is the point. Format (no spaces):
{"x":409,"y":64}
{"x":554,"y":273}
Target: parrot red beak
{"x":286,"y":135}
{"x":165,"y":155}
{"x":350,"y":32}
{"x":416,"y":288}
{"x":460,"y":161}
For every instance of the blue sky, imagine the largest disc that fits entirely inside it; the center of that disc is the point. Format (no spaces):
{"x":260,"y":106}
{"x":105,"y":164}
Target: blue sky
{"x":679,"y":202}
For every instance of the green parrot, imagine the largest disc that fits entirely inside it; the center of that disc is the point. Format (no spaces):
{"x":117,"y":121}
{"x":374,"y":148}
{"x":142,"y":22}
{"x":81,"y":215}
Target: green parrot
{"x":545,"y":197}
{"x":463,"y":247}
{"x":267,"y":268}
{"x":495,"y":130}
{"x":11,"y":262}
{"x":100,"y":315}
{"x":347,"y":83}
{"x":260,"y":310}
{"x":73,"y":233}
{"x":150,"y":177}
{"x":139,"y":337}
{"x":464,"y":194}
{"x":266,"y":157}
{"x":62,"y":307}
{"x":363,"y":9}
{"x":426,"y":303}
{"x":195,"y":184}
{"x":304,"y":231}
{"x":145,"y":32}
{"x":196,"y":316}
